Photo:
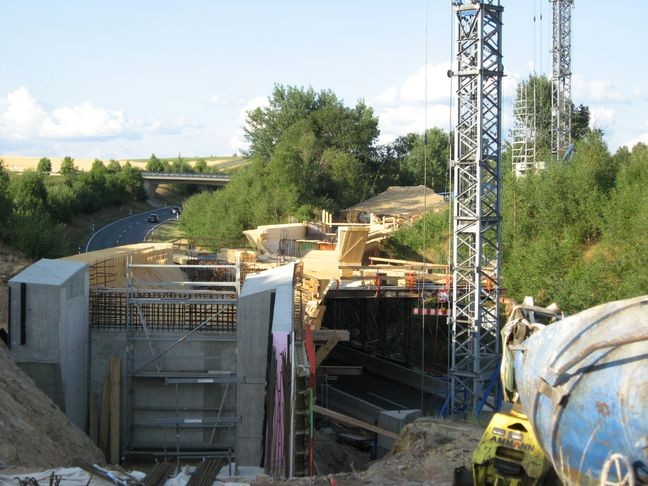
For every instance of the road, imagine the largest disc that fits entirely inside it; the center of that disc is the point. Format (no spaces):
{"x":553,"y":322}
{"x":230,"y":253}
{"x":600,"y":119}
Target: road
{"x":126,"y":231}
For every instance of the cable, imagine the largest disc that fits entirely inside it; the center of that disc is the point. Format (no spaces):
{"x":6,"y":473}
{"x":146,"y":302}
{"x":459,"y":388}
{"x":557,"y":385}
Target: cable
{"x":425,"y":145}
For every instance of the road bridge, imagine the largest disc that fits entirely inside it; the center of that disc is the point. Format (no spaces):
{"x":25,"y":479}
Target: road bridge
{"x":153,"y":179}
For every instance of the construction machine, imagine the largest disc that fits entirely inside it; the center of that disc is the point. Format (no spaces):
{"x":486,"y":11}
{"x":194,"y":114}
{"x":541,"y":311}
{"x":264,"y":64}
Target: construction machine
{"x":578,"y":393}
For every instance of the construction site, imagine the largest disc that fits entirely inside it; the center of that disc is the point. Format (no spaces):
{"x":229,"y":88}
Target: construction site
{"x":308,"y":357}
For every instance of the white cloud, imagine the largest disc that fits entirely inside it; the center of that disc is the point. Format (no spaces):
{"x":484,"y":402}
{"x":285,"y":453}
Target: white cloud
{"x":387,"y":97}
{"x":24,"y":118}
{"x":642,"y":137}
{"x":237,"y":141}
{"x":595,"y":90}
{"x":438,"y":84}
{"x":601,"y":117}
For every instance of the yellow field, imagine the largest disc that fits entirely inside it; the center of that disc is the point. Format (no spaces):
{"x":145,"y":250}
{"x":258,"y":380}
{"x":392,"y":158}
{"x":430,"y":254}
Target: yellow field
{"x":17,"y":163}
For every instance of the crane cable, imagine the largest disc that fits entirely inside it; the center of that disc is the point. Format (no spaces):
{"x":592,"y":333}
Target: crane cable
{"x":448,"y":182}
{"x":425,"y":154}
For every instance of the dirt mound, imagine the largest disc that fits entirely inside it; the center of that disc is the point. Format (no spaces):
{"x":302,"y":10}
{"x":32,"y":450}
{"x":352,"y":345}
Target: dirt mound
{"x":33,"y":430}
{"x":427,"y":450}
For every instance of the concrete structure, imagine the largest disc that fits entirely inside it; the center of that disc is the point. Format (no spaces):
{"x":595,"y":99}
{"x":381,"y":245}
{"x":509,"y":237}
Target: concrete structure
{"x":264,"y":320}
{"x":49,"y":332}
{"x":393,"y":420}
{"x":152,"y":179}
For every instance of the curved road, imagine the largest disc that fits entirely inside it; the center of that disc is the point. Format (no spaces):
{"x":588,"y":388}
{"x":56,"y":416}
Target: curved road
{"x":126,"y":231}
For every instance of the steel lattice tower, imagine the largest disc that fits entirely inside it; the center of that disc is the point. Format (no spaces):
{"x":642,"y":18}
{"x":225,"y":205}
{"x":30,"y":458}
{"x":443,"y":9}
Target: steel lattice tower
{"x":561,"y":78}
{"x":475,"y":344}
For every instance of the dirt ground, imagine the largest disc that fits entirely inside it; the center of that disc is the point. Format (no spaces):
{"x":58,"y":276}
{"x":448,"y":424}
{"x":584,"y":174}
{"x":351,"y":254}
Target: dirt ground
{"x":34,"y":433}
{"x":426,"y":453}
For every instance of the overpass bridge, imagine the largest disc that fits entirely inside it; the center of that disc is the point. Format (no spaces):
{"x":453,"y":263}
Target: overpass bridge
{"x":153,"y":179}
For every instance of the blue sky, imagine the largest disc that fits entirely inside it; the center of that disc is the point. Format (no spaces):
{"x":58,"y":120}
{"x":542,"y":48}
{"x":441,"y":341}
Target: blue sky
{"x":120,"y":79}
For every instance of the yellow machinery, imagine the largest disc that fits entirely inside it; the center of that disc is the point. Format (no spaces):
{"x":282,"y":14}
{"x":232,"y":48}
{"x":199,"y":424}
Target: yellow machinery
{"x":509,"y":454}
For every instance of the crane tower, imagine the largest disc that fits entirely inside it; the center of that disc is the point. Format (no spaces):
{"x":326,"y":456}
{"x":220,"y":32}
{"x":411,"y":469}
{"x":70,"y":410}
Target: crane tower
{"x":478,"y":69}
{"x":561,"y":78}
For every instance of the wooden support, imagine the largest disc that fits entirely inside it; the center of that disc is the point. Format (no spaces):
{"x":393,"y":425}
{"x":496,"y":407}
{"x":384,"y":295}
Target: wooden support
{"x":345,"y":419}
{"x":326,"y":348}
{"x":322,"y":335}
{"x":339,"y":370}
{"x":92,"y":418}
{"x":104,"y":417}
{"x":115,"y":380}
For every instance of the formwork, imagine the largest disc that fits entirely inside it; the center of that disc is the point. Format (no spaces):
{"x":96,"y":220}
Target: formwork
{"x":174,"y":329}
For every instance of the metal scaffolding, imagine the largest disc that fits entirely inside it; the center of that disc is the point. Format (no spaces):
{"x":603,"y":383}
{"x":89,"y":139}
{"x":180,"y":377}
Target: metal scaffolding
{"x":561,"y":105}
{"x":523,"y":133}
{"x":172,"y":342}
{"x":475,"y":346}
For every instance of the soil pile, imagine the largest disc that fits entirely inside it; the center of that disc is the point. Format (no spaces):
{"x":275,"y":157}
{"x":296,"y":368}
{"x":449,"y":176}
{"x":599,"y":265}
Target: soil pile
{"x":34,"y":433}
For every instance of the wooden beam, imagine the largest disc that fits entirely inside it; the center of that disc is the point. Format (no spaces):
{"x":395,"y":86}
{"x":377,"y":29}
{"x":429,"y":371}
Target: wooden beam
{"x":339,"y":370}
{"x":345,"y":419}
{"x":326,"y":348}
{"x":115,"y":380}
{"x":104,"y":417}
{"x":322,"y":335}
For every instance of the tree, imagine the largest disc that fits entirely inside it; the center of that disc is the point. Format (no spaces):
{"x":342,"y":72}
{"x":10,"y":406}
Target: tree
{"x":335,"y":126}
{"x":28,"y":192}
{"x":307,"y":151}
{"x":113,"y":167}
{"x":68,"y":170}
{"x":5,"y":199}
{"x":154,"y":164}
{"x":44,"y":166}
{"x":438,"y":153}
{"x":200,"y":166}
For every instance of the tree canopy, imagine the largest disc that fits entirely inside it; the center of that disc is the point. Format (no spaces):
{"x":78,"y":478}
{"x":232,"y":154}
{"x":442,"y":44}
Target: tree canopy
{"x":307,"y":151}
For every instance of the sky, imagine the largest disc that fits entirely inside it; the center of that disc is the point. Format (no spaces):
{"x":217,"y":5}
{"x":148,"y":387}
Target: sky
{"x":125,"y":79}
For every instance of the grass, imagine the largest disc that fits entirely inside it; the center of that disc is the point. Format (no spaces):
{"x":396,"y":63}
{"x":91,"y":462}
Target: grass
{"x":166,"y":232}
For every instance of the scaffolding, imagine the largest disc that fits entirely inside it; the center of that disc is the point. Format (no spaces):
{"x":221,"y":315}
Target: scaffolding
{"x":180,"y":381}
{"x":475,"y":346}
{"x":523,"y":133}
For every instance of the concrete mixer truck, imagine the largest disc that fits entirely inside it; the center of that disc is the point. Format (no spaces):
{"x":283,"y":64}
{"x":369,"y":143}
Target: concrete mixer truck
{"x":578,"y":391}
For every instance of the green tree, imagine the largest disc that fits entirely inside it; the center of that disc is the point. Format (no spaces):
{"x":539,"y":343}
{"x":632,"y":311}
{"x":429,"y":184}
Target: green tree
{"x":113,"y":166}
{"x":28,"y":192}
{"x":200,"y":166}
{"x":68,"y":170}
{"x":438,"y":152}
{"x":307,"y":151}
{"x":44,"y":166}
{"x":5,"y":200}
{"x":154,"y":164}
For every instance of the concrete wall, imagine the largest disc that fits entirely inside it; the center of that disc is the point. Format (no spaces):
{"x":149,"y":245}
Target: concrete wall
{"x":153,"y":399}
{"x":51,"y":297}
{"x":253,"y":334}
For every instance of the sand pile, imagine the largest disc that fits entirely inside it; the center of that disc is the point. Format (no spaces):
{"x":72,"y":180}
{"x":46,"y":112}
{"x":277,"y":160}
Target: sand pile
{"x":34,"y":432}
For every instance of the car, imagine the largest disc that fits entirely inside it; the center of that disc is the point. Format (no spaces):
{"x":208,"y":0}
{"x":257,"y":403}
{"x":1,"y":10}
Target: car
{"x":153,"y":218}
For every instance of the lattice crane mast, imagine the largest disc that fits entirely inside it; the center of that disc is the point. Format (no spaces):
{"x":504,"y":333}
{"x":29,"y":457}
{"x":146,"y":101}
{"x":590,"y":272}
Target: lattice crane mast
{"x":561,"y":104}
{"x":478,"y":70}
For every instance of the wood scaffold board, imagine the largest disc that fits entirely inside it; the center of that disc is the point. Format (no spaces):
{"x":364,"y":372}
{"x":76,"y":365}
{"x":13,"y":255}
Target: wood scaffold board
{"x":345,"y":419}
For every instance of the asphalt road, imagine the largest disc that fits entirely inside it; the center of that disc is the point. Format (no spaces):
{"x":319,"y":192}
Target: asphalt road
{"x":126,"y":231}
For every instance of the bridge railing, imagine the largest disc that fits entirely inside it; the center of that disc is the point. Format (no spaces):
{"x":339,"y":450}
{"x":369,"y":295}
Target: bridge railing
{"x":189,"y":175}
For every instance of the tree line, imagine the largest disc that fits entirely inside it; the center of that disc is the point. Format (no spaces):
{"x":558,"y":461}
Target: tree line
{"x":36,"y":206}
{"x":309,"y":151}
